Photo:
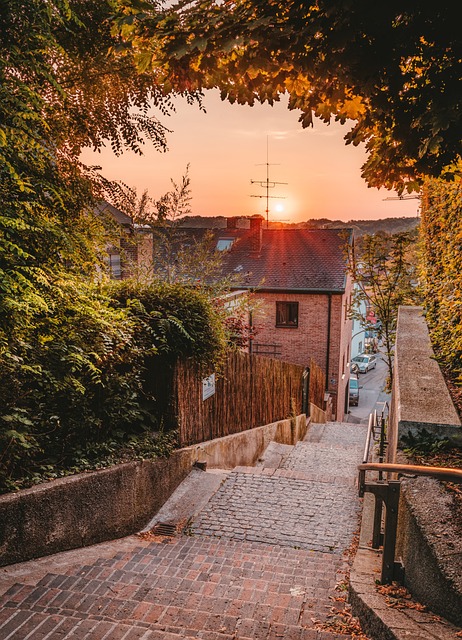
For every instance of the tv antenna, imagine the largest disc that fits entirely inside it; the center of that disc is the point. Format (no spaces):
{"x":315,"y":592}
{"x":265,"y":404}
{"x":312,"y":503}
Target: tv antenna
{"x":267,"y":184}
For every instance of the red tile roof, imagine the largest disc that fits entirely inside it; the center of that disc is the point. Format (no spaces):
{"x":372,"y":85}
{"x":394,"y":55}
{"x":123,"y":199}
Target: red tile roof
{"x":290,"y":259}
{"x":306,"y":260}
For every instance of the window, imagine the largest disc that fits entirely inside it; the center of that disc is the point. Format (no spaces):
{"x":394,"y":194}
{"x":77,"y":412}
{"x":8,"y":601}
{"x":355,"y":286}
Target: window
{"x":114,"y":266}
{"x":287,"y":314}
{"x":224,"y":244}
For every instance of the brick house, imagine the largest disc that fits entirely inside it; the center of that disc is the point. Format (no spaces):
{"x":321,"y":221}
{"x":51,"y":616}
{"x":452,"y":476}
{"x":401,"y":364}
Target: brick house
{"x":300,"y":279}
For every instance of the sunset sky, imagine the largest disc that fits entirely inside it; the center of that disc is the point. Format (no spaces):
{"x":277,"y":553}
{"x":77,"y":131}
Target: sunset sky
{"x":226,"y":149}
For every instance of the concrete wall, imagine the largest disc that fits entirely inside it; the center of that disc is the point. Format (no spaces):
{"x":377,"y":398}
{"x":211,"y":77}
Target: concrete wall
{"x":428,"y":542}
{"x":431,"y":547}
{"x":102,"y":505}
{"x":420,"y":398}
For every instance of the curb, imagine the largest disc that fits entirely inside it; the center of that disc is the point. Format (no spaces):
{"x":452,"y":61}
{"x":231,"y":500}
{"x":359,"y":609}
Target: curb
{"x":378,"y":619}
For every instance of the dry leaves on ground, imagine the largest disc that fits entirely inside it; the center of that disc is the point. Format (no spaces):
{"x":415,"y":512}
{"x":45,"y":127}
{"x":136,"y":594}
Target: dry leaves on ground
{"x":398,"y":597}
{"x":148,"y":536}
{"x":342,"y":622}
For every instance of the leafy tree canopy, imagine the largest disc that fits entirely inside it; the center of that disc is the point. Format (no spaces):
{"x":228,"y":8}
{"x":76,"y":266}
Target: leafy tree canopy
{"x":60,"y":90}
{"x":394,"y":69}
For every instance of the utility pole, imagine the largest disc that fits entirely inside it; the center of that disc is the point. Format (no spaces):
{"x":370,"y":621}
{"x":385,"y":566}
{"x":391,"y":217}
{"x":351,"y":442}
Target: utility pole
{"x":267,"y":184}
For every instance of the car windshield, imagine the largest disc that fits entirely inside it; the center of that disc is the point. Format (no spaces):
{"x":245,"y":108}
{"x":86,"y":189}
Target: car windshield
{"x":360,"y":359}
{"x":353,"y":383}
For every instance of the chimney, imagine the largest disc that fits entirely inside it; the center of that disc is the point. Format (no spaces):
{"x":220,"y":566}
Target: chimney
{"x":256,"y":232}
{"x":231,"y":223}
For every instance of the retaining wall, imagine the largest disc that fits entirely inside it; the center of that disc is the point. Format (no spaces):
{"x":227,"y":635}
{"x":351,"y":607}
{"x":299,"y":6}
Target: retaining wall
{"x":103,"y":505}
{"x":428,"y":541}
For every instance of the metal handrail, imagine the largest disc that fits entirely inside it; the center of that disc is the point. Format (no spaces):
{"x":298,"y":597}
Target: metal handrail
{"x":370,"y":432}
{"x":387,"y":492}
{"x":448,"y":474}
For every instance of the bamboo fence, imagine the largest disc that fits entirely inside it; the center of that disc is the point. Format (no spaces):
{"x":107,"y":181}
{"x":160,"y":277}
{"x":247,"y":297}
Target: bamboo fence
{"x":317,"y":385}
{"x":250,"y":391}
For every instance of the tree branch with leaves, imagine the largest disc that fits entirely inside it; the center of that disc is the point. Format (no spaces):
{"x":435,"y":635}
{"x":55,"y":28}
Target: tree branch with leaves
{"x":393,"y":70}
{"x":384,"y":269}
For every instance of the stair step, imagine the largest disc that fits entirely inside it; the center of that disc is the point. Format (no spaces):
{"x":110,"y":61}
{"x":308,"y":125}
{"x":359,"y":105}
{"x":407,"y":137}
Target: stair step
{"x":20,"y":623}
{"x":165,"y":602}
{"x":176,"y":623}
{"x":40,"y":626}
{"x":274,"y":455}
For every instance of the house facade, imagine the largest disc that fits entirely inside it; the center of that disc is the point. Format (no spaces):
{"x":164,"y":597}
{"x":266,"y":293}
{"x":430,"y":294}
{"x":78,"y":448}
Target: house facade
{"x":303,"y":293}
{"x":131,"y":251}
{"x":358,"y":339}
{"x":302,"y":290}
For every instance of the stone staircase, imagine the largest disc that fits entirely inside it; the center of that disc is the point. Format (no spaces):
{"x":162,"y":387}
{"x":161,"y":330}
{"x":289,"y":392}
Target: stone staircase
{"x":262,"y":559}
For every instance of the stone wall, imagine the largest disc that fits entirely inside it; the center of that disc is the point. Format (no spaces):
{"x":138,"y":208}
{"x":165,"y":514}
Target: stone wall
{"x":102,"y":505}
{"x":429,"y":542}
{"x":431,"y":547}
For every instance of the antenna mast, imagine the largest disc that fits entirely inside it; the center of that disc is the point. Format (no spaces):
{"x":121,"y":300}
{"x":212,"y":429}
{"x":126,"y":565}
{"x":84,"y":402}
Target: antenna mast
{"x":267,"y":184}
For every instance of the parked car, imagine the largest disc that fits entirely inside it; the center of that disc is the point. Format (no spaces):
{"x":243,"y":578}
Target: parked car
{"x":354,"y":391}
{"x":364,"y":362}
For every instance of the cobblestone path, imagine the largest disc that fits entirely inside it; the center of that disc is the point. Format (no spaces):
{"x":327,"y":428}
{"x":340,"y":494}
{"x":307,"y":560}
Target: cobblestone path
{"x":261,"y":562}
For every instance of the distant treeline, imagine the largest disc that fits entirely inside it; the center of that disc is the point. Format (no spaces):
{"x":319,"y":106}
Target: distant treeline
{"x":361,"y":227}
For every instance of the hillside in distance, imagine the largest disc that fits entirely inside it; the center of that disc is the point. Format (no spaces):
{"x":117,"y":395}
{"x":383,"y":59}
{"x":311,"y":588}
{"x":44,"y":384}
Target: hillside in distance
{"x":361,"y":227}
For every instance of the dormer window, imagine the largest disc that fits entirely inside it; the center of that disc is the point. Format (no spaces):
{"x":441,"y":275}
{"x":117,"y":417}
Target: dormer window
{"x":224,"y":244}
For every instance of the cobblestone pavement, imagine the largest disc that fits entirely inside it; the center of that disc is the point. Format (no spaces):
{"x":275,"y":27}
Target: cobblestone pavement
{"x":282,"y":510}
{"x":263,"y":561}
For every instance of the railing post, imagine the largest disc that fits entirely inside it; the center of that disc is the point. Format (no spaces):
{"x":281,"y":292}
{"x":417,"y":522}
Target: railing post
{"x":306,"y":392}
{"x":383,"y":442}
{"x":377,"y":530}
{"x":391,"y":523}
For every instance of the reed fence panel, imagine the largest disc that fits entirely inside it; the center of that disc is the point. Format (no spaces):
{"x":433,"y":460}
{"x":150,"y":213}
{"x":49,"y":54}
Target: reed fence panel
{"x":250,"y":391}
{"x":317,"y":385}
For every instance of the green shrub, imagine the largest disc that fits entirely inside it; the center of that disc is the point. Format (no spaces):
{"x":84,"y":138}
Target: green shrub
{"x":71,"y":375}
{"x":180,"y":320}
{"x":441,"y":271}
{"x":73,"y":381}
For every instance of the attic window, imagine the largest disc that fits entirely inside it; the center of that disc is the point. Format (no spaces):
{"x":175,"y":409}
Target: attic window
{"x":224,"y":244}
{"x":287,"y":315}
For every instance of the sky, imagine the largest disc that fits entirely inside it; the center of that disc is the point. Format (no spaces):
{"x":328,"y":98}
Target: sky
{"x":226,"y":148}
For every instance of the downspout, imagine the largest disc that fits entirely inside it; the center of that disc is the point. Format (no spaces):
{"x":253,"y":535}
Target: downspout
{"x":329,"y":314}
{"x":250,"y":330}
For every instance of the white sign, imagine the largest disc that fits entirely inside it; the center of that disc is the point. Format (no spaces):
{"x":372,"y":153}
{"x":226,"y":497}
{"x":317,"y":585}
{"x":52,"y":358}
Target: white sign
{"x":208,"y":387}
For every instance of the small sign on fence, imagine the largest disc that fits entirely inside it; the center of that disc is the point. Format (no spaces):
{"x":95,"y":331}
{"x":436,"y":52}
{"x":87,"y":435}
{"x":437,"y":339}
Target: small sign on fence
{"x":208,"y":387}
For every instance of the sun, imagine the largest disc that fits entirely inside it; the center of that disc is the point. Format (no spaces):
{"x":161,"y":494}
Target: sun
{"x":279,"y":207}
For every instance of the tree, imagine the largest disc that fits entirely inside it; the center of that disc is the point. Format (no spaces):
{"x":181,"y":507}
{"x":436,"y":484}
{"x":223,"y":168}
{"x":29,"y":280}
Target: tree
{"x":61,"y":89}
{"x":384,"y":270}
{"x":67,"y":362}
{"x":394,"y":69}
{"x":178,"y":256}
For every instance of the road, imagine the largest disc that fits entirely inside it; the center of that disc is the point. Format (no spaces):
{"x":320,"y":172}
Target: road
{"x":372,"y":393}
